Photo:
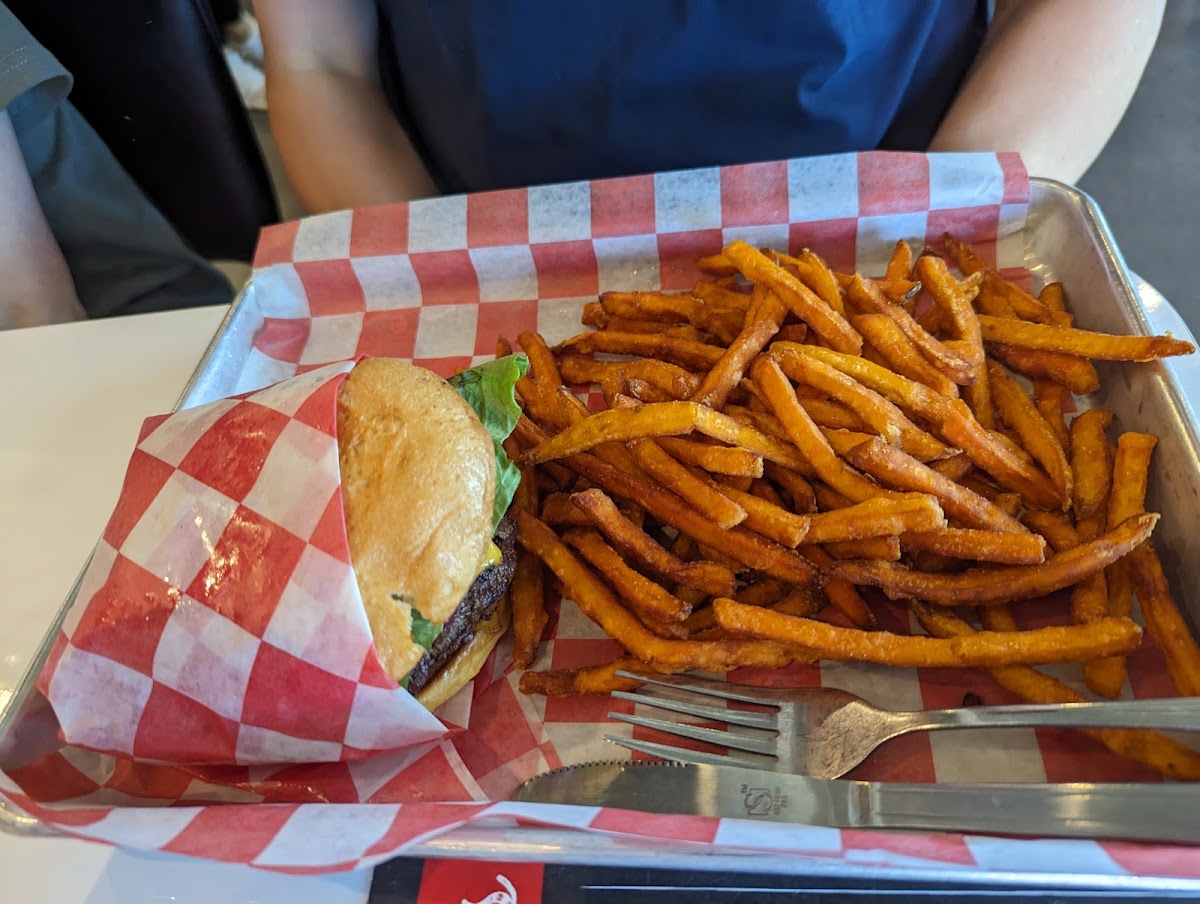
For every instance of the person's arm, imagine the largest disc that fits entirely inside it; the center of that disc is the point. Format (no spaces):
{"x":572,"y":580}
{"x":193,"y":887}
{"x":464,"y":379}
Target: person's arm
{"x":1053,"y":79}
{"x":37,"y":288}
{"x":340,"y":143}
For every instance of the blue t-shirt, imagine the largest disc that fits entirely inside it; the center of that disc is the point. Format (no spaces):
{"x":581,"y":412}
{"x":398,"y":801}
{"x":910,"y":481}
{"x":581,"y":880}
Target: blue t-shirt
{"x":504,"y":93}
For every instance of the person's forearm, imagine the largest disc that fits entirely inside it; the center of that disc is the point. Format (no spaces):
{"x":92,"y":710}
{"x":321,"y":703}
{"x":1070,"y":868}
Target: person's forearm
{"x":36,"y":288}
{"x":340,"y":144}
{"x":1052,"y":81}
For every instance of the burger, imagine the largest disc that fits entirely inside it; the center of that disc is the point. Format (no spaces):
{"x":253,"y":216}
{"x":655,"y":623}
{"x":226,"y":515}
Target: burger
{"x":425,"y":490}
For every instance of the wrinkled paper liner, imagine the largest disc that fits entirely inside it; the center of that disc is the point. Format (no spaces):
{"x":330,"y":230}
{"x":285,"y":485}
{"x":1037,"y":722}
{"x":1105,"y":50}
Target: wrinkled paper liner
{"x":386,"y":281}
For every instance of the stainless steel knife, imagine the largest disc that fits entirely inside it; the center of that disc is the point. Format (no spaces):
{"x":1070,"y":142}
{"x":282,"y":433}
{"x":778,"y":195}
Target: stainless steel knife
{"x":1144,"y":812}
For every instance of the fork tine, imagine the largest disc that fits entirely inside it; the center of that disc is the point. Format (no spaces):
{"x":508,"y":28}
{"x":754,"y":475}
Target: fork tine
{"x":715,"y":713}
{"x":697,"y":733}
{"x":686,"y":756}
{"x":763,"y":697}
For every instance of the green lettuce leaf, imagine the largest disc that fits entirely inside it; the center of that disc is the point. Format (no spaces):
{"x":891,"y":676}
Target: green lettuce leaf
{"x":488,"y":389}
{"x":424,"y":631}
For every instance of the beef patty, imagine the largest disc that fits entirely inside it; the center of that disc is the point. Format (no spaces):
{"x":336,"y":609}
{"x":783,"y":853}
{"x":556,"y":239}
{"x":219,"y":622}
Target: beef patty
{"x":480,"y":602}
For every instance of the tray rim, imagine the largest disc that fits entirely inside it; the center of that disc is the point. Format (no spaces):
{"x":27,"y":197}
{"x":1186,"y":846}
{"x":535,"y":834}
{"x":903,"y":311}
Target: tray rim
{"x":555,"y":845}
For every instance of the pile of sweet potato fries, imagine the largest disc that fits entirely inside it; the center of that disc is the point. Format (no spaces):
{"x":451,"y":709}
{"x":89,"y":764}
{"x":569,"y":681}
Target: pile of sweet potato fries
{"x":786,"y":448}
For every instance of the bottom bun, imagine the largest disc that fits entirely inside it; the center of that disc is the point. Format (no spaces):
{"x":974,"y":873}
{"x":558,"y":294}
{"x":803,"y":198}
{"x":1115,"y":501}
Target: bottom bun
{"x":466,"y":663}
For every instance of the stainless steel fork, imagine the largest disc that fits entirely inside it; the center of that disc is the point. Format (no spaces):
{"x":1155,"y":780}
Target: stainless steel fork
{"x":825,"y":732}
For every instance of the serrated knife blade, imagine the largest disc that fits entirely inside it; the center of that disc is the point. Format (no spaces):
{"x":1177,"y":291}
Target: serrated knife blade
{"x":1143,"y":812}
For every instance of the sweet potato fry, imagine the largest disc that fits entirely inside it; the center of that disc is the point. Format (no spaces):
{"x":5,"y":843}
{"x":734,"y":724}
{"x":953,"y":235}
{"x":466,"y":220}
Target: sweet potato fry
{"x":867,"y":296}
{"x":1072,"y":643}
{"x":1091,"y":461}
{"x":574,"y":412}
{"x":876,"y":518}
{"x":670,"y":378}
{"x":542,"y":366}
{"x":676,"y":330}
{"x":958,"y":314}
{"x":948,"y":296}
{"x":882,"y":334}
{"x":997,"y":585}
{"x":902,"y":472}
{"x":637,"y":591}
{"x":879,"y":549}
{"x":1051,"y":400}
{"x":1164,"y":623}
{"x":910,"y":396}
{"x":722,"y":317}
{"x":599,"y":604}
{"x":637,"y":545}
{"x":800,"y":603}
{"x":1159,"y":752}
{"x":684,"y":352}
{"x":719,"y":295}
{"x":831,"y":414}
{"x":592,"y":679}
{"x":830,"y":500}
{"x":724,"y":512}
{"x":644,"y":391}
{"x":1076,"y":374}
{"x":798,"y":490}
{"x":743,"y":545}
{"x":843,"y":595}
{"x":767,"y":518}
{"x":965,"y":257}
{"x":714,"y":459}
{"x":764,"y":489}
{"x":815,"y":273}
{"x":1008,"y":466}
{"x":980,"y":545}
{"x":762,"y":592}
{"x":900,"y":264}
{"x":1053,"y":297}
{"x":557,"y":508}
{"x":725,"y":428}
{"x":1083,"y":343}
{"x":823,"y":320}
{"x":955,"y":468}
{"x":616,"y":426}
{"x":1037,"y":437}
{"x":527,"y":594}
{"x":771,"y":380}
{"x":793,"y":332}
{"x":1131,"y":466}
{"x":1020,"y":302}
{"x":761,"y":326}
{"x":881,"y":416}
{"x":1056,"y":527}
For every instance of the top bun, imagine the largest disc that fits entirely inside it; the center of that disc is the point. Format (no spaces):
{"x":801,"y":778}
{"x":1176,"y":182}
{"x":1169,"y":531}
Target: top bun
{"x":418,"y":485}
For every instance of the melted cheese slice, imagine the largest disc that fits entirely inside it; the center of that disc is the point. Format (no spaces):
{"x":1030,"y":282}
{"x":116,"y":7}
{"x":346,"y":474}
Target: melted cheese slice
{"x":491,"y":556}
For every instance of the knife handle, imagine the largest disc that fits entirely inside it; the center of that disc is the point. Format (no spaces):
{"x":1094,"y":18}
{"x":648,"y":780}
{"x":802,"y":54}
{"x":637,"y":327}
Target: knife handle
{"x":1144,"y":812}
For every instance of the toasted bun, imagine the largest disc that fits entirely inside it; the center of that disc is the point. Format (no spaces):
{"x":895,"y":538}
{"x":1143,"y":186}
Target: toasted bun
{"x":466,"y":663}
{"x":418,"y":483}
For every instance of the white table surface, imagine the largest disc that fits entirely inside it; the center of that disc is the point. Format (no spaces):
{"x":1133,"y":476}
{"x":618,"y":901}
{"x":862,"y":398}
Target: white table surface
{"x":72,"y":399}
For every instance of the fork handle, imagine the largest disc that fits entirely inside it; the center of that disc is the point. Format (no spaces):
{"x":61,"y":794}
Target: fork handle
{"x":1172,"y":714}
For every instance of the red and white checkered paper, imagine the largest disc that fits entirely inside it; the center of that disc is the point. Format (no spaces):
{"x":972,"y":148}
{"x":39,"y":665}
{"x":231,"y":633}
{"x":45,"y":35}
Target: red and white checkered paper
{"x":436,"y":282}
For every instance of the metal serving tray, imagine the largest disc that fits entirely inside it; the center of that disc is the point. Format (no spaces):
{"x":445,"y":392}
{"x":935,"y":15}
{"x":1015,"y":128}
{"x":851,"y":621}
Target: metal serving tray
{"x":1065,"y":238}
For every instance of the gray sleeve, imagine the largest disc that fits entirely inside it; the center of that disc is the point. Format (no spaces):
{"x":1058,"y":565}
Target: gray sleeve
{"x":32,"y":81}
{"x":124,"y":256}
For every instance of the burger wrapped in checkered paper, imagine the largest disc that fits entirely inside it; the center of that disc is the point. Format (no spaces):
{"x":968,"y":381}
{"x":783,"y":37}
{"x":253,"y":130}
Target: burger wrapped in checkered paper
{"x":221,"y":619}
